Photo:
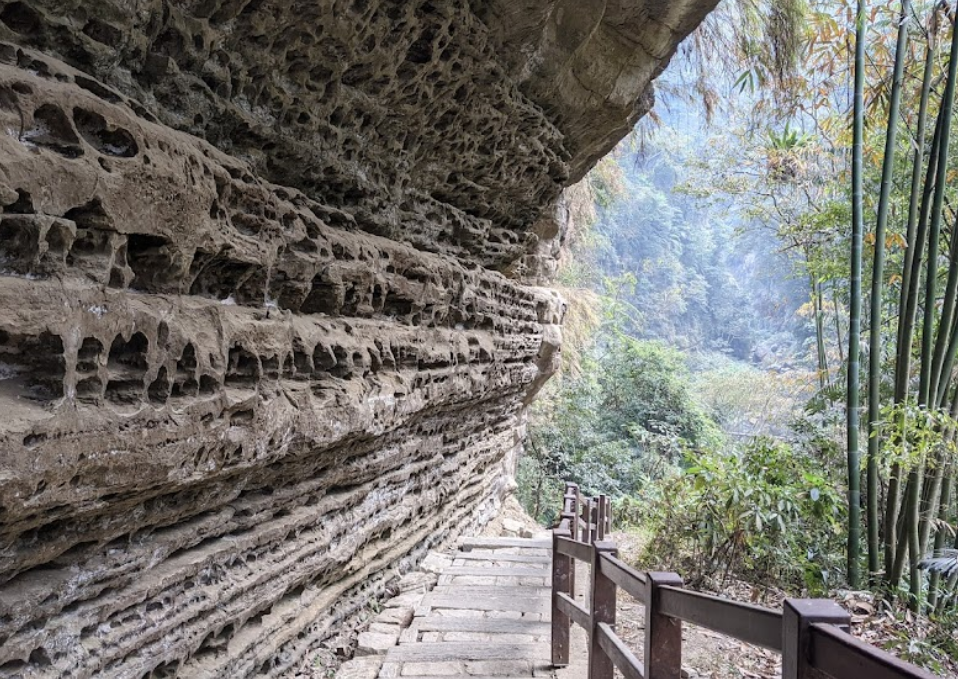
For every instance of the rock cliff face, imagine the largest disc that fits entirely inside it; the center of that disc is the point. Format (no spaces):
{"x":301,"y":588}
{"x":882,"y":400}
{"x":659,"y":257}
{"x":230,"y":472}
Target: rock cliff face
{"x":268,"y":315}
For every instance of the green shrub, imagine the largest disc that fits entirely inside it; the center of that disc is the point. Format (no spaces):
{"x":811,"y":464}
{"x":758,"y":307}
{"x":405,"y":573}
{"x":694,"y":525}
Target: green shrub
{"x":766,"y":514}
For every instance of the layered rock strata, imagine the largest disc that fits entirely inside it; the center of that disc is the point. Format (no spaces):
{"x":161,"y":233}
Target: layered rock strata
{"x":257,"y":347}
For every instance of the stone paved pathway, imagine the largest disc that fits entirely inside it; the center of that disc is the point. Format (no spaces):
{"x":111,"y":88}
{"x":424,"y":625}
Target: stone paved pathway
{"x":488,"y":615}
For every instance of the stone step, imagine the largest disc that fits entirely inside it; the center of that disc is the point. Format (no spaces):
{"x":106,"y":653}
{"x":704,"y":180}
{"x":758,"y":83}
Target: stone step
{"x":461,"y":651}
{"x":488,"y":555}
{"x":498,"y":571}
{"x":482,"y":591}
{"x":503,"y":543}
{"x":522,"y":604}
{"x":484,"y":625}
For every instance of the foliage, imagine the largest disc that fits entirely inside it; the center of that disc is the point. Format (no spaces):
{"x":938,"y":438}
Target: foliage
{"x":766,"y":512}
{"x":627,"y":417}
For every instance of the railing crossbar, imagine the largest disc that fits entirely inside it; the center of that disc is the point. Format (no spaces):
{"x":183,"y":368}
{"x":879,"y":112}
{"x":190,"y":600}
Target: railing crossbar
{"x":577,"y":550}
{"x":577,"y":613}
{"x":624,"y":660}
{"x":837,"y":654}
{"x":746,"y":622}
{"x":623,"y":576}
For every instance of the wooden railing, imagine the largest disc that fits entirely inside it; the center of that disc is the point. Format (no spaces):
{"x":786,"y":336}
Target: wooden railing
{"x":812,"y":635}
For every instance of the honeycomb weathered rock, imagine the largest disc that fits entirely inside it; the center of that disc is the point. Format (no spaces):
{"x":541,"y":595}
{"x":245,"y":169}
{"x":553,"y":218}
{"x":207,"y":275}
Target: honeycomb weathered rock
{"x":256,"y":347}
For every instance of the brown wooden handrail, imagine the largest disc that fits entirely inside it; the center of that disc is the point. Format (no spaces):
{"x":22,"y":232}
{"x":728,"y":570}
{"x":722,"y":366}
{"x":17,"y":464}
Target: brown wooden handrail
{"x":752,"y":624}
{"x":811,"y":634}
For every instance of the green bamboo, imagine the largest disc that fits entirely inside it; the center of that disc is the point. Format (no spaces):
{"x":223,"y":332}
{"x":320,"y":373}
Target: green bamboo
{"x":931,"y":282}
{"x":945,"y":341}
{"x":903,"y":366}
{"x":905,"y":324}
{"x":934,"y":228}
{"x":855,"y":303}
{"x":878,"y":274}
{"x":947,"y":324}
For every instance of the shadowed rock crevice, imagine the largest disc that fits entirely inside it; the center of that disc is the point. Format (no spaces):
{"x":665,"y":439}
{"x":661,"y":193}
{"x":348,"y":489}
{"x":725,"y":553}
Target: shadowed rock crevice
{"x":257,"y":349}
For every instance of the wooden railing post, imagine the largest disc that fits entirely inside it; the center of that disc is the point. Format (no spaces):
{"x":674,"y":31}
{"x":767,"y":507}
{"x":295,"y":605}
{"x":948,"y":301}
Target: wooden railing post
{"x":570,"y":512}
{"x":602,"y":603}
{"x":561,"y":567}
{"x":600,"y":523}
{"x":797,"y":616}
{"x":663,"y":635}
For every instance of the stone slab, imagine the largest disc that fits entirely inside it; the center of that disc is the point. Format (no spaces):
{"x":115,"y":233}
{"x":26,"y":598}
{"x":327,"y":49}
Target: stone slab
{"x":503,"y":543}
{"x":497,"y":571}
{"x":493,"y":556}
{"x":461,"y":651}
{"x":523,"y":604}
{"x":487,"y":625}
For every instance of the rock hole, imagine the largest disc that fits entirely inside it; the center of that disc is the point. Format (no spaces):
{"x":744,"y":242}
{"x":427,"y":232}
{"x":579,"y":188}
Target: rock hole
{"x":127,"y":365}
{"x":19,"y":242}
{"x":103,"y":32}
{"x":52,"y":129}
{"x":149,"y":258}
{"x":23,"y":205}
{"x":271,"y":367}
{"x":36,"y":365}
{"x":217,"y":276}
{"x":33,"y":440}
{"x":208,"y":385}
{"x":60,"y":237}
{"x":88,"y":355}
{"x":322,"y":298}
{"x":21,"y":18}
{"x":89,"y":389}
{"x":159,"y":389}
{"x":243,"y":369}
{"x":108,"y":140}
{"x":92,"y":248}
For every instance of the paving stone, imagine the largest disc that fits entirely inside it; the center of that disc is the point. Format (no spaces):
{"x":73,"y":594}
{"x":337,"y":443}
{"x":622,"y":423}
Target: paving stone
{"x":384,"y":628}
{"x":463,"y":651}
{"x":408,"y":599}
{"x":486,"y":569}
{"x":399,"y":615}
{"x":504,"y":543}
{"x":435,"y":562}
{"x":366,"y":667}
{"x":485,"y":555}
{"x":459,"y":613}
{"x":487,"y":625}
{"x":390,"y":670}
{"x":511,"y":668}
{"x":416,"y":581}
{"x":436,"y":669}
{"x":375,"y":643}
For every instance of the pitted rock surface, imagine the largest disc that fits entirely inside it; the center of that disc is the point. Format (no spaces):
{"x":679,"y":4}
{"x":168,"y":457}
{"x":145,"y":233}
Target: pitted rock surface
{"x":257,"y":347}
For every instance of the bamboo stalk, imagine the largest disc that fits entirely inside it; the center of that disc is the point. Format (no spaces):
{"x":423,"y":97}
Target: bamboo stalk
{"x":854,"y":326}
{"x":903,"y":365}
{"x":878,"y":274}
